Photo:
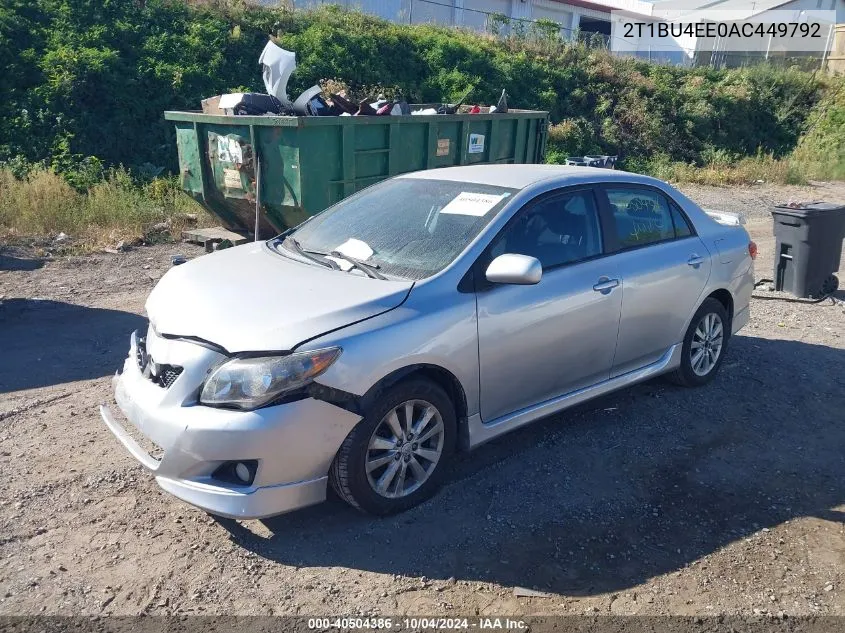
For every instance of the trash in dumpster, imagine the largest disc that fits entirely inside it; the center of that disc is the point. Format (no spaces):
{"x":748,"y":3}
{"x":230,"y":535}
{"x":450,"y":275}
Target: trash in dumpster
{"x":274,"y":167}
{"x":452,"y":108}
{"x":342,"y":103}
{"x":277,"y":67}
{"x":379,"y":103}
{"x":502,"y":105}
{"x":310,"y":103}
{"x":212,"y":105}
{"x":365,"y":109}
{"x":223,"y":163}
{"x":400,"y":108}
{"x":250,"y":103}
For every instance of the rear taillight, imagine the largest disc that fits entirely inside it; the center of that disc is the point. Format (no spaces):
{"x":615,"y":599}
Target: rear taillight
{"x":752,"y":249}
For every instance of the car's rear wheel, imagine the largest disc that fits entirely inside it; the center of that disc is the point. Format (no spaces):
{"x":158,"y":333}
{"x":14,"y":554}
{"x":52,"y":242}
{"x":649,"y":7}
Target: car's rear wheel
{"x":394,"y":458}
{"x":704,"y":345}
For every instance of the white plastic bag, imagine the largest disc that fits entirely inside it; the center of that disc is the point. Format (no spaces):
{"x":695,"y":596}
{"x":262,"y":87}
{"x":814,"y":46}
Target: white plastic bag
{"x":277,"y":67}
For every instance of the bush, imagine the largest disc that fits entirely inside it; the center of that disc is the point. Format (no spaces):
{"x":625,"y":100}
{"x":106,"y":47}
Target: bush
{"x":113,"y":209}
{"x":86,"y":78}
{"x":722,"y":171}
{"x":821,"y":152}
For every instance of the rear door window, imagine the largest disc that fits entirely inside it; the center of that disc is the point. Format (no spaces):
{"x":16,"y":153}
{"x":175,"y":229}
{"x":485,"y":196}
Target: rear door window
{"x":641,"y":216}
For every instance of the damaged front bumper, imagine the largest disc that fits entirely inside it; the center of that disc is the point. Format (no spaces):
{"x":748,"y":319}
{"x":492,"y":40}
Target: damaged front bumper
{"x":184,"y":444}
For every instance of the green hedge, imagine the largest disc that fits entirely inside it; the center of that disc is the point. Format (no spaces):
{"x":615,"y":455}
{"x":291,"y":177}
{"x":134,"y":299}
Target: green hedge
{"x":822,"y":149}
{"x":91,"y":78}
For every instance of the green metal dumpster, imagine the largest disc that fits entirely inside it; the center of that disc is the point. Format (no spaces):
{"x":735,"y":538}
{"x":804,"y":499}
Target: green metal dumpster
{"x":289,"y":168}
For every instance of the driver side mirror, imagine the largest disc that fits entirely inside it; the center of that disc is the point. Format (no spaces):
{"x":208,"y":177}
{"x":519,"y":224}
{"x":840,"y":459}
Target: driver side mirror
{"x":511,"y":268}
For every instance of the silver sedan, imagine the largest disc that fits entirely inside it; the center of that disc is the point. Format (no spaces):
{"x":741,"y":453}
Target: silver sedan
{"x":424,"y":315}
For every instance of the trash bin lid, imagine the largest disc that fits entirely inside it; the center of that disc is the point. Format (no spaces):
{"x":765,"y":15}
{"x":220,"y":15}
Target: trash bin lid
{"x":809,"y":209}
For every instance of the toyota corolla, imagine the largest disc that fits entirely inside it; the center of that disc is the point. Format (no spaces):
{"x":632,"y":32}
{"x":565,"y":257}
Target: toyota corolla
{"x":422,"y":316}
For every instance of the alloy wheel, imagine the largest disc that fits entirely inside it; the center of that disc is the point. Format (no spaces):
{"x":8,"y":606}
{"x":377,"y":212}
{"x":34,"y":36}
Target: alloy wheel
{"x":707,"y":341}
{"x":404,"y":449}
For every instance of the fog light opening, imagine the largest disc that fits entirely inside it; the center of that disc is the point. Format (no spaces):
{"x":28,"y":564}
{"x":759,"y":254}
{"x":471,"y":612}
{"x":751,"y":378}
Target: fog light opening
{"x":242,"y":472}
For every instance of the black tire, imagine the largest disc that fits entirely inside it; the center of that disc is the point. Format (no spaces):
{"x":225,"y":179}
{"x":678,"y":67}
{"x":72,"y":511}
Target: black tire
{"x":829,"y":285}
{"x":348,"y":474}
{"x":685,"y":375}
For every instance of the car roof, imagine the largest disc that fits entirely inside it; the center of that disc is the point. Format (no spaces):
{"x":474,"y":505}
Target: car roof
{"x":522,"y":176}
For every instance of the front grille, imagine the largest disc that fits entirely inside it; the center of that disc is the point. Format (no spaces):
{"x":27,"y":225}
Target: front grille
{"x":161,"y":375}
{"x":141,"y":354}
{"x":168,"y":375}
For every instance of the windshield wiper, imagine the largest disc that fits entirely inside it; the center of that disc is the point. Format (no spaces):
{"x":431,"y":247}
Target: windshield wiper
{"x":367,"y":269}
{"x":296,"y":247}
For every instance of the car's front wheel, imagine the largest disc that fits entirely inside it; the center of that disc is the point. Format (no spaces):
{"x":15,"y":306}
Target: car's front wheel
{"x":704,"y":345}
{"x":394,"y":458}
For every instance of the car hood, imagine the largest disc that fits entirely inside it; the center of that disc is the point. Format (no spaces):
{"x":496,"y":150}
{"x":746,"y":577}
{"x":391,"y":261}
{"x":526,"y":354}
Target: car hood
{"x":250,"y":298}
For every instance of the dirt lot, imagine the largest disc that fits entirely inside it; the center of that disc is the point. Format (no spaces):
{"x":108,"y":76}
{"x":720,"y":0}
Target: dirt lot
{"x":728,"y":499}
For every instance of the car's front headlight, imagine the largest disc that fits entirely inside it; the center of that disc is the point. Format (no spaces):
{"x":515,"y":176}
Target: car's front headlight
{"x":248,"y":383}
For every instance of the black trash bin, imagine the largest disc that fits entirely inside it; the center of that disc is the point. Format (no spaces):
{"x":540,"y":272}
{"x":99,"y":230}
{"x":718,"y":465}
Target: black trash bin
{"x":808,"y":248}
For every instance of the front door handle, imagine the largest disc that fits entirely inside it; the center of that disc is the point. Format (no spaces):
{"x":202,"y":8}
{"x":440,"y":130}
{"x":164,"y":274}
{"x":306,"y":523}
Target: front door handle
{"x":695,"y":260}
{"x":605,"y":285}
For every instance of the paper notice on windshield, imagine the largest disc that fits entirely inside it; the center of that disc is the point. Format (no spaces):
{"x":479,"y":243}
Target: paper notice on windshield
{"x":355,"y":248}
{"x":468,"y":203}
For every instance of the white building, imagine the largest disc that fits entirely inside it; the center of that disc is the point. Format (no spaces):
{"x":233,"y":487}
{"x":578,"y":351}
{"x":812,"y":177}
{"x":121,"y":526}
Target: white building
{"x":735,"y":50}
{"x":572,"y":15}
{"x":601,"y":17}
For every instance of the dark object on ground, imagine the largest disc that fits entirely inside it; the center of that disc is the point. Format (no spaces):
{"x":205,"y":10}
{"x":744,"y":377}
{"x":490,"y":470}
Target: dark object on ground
{"x":211,"y":238}
{"x":808,"y":248}
{"x":603,"y":160}
{"x":608,"y":162}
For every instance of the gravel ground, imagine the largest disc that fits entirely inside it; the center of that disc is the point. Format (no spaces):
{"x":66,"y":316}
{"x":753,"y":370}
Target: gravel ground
{"x":727,"y":499}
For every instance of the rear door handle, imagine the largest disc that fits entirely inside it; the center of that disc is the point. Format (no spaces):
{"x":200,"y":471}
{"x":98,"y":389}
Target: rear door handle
{"x":695,"y":260}
{"x":605,"y":285}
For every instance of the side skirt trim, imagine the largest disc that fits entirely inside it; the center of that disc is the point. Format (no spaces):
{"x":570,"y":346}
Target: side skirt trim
{"x":480,"y":432}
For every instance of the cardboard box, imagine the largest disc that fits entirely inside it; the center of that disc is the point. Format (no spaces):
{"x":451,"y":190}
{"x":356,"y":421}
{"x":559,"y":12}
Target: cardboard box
{"x":212,"y":105}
